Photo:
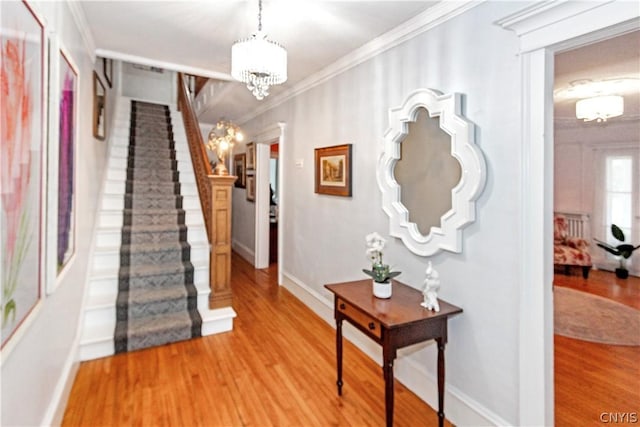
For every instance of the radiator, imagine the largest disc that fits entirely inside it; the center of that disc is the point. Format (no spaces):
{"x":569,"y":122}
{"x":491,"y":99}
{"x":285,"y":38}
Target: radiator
{"x":578,"y":224}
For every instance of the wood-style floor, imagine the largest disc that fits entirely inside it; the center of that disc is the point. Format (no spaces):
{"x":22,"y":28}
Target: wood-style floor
{"x":277,"y":368}
{"x":592,"y":379}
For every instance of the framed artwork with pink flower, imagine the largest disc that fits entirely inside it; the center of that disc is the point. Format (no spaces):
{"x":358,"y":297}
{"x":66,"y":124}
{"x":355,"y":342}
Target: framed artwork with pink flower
{"x":21,"y":163}
{"x":68,"y":90}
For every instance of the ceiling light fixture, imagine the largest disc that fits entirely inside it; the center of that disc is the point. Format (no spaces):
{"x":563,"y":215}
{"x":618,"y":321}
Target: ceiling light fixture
{"x":258,"y":61}
{"x":221,"y":139}
{"x":600,"y":108}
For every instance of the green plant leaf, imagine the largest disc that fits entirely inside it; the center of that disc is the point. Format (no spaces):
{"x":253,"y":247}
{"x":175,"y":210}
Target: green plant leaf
{"x":609,"y":249}
{"x":617,"y":232}
{"x":394,"y":274}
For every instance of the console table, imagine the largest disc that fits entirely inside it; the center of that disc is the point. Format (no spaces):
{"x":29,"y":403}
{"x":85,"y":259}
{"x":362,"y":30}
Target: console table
{"x":393,"y":323}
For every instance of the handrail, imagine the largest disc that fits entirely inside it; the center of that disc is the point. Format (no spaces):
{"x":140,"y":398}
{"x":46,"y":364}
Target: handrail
{"x":199,"y":158}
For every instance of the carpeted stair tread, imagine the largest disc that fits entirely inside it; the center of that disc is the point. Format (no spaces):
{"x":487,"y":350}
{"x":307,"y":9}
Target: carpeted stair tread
{"x":156,"y":269}
{"x":156,"y":330}
{"x":140,"y":302}
{"x":155,"y":247}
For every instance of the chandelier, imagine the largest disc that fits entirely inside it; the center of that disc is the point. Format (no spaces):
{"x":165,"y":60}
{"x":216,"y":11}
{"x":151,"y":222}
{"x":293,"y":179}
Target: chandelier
{"x":221,"y":139}
{"x":600,"y":108}
{"x":258,"y":61}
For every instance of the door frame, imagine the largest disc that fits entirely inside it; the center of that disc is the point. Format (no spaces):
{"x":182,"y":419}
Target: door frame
{"x":270,"y":135}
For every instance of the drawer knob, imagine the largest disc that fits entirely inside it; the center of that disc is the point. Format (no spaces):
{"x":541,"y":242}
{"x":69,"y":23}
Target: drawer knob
{"x":372,"y":325}
{"x":342,"y":306}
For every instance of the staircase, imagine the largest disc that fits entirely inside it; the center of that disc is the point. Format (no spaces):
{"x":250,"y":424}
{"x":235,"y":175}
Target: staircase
{"x":151,"y":276}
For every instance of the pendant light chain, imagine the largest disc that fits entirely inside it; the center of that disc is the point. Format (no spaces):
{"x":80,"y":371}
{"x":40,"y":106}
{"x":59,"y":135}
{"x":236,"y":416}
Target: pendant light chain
{"x":259,"y":15}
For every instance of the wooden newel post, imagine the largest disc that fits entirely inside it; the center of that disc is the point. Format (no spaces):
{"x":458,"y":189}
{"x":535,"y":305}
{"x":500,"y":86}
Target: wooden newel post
{"x":220,"y":238}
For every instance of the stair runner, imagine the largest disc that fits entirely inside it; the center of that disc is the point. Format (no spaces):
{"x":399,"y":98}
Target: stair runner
{"x":157,"y":300}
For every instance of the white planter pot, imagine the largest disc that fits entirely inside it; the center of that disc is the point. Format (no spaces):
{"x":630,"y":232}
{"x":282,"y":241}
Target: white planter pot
{"x":381,"y":290}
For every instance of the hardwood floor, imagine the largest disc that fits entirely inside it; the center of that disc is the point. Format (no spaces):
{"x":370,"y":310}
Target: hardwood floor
{"x":277,"y":367}
{"x":592,"y":379}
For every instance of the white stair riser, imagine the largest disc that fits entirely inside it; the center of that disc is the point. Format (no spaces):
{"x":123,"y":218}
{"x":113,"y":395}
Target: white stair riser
{"x":111,"y":219}
{"x":105,"y":260}
{"x":113,"y":201}
{"x":96,"y":318}
{"x":112,"y":237}
{"x":121,"y":175}
{"x":107,"y":287}
{"x":96,"y":350}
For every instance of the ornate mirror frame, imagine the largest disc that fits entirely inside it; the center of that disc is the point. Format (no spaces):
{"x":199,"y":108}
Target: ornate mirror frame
{"x":463,"y":148}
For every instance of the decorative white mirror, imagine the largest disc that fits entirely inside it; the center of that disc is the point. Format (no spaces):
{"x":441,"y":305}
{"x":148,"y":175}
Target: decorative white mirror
{"x":416,"y":187}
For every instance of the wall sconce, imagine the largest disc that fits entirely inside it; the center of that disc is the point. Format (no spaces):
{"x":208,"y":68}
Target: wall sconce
{"x":221,"y":140}
{"x":600,"y":108}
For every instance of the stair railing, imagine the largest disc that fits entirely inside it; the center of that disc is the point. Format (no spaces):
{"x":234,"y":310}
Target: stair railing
{"x":199,"y":157}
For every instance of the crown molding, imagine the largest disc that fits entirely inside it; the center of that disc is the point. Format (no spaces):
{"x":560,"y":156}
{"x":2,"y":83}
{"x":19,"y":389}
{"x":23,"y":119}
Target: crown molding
{"x":81,"y":21}
{"x":544,"y":22}
{"x":430,"y":18}
{"x":171,"y":66}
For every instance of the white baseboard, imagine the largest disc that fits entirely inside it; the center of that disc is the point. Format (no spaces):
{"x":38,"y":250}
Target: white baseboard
{"x":58,"y":403}
{"x":246,"y":253}
{"x":460,"y":409}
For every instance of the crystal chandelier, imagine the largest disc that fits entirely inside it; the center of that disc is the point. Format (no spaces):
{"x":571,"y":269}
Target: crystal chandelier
{"x":221,"y":139}
{"x":600,"y":108}
{"x":258,"y":61}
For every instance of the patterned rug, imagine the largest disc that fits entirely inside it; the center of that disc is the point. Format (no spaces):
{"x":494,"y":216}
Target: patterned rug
{"x":157,"y":300}
{"x":592,"y":318}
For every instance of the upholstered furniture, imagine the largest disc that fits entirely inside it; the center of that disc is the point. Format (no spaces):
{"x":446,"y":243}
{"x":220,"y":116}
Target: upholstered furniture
{"x":569,"y":250}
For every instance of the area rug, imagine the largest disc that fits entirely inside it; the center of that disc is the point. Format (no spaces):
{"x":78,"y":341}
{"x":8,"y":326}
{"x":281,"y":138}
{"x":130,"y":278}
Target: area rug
{"x":592,"y":318}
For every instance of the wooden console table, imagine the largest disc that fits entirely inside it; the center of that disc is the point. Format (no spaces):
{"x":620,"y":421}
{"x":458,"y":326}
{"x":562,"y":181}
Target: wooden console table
{"x":393,"y":323}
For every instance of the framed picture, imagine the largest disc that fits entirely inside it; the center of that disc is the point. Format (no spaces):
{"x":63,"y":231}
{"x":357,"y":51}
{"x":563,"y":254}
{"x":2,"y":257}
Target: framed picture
{"x":68,"y":92}
{"x":107,"y":69}
{"x":239,"y":169}
{"x":333,"y":170}
{"x":21,"y":162}
{"x":251,"y":156}
{"x":251,"y":188}
{"x":99,"y":110}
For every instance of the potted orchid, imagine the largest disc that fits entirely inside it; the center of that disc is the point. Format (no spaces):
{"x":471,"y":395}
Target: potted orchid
{"x":380,"y":273}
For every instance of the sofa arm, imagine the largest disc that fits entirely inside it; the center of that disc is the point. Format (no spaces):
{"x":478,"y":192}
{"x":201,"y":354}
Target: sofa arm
{"x":577,"y":243}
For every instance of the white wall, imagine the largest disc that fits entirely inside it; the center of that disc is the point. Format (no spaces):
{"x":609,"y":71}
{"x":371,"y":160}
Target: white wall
{"x":148,"y":85}
{"x":243,"y":224}
{"x":324,"y":240}
{"x":40,"y":361}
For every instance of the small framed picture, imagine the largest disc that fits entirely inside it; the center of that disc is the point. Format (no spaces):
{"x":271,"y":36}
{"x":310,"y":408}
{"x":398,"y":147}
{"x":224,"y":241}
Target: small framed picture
{"x":251,"y":156}
{"x":107,"y":68}
{"x":239,"y":169}
{"x":251,"y":188}
{"x":333,"y":170}
{"x":99,"y":104}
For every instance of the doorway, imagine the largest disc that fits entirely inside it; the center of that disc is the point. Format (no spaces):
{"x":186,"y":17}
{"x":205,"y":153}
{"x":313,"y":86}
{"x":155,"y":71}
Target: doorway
{"x":543,"y":29}
{"x":595,"y":184}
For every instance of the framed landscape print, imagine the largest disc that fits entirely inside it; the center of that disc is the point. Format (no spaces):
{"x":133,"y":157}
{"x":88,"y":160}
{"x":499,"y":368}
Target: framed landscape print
{"x":68,"y":91}
{"x":21,"y":157}
{"x":333,"y":170}
{"x":239,"y":170}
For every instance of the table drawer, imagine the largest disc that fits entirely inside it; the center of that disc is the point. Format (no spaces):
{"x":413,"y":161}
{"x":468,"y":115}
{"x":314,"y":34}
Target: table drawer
{"x":357,"y":316}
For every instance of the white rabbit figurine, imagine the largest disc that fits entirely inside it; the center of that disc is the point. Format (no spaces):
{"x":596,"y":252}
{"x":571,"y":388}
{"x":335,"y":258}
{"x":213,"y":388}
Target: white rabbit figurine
{"x":431,"y":288}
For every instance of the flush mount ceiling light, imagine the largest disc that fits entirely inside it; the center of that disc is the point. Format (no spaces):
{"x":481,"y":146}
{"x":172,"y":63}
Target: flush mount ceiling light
{"x":258,"y":61}
{"x":600,"y":108}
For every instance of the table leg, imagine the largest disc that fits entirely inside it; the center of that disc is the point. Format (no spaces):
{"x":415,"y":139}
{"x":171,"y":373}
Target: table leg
{"x":440,"y":342}
{"x":387,"y":369}
{"x":339,"y":354}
